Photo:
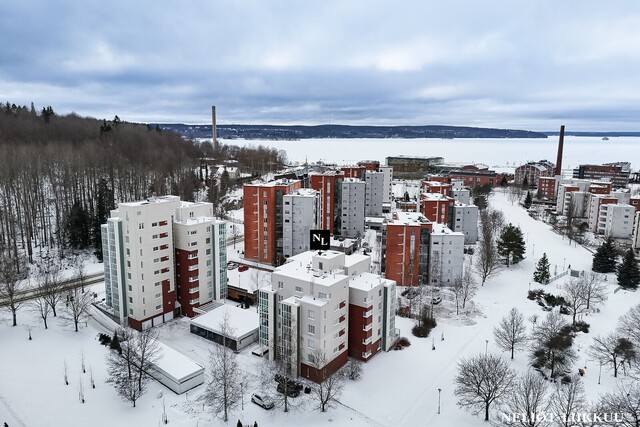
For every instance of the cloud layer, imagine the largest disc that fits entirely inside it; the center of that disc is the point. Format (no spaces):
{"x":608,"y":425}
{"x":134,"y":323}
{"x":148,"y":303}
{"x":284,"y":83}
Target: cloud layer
{"x":530,"y":65}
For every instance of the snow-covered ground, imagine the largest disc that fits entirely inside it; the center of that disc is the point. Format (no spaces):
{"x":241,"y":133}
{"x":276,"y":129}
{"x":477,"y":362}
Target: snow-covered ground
{"x":399,"y":388}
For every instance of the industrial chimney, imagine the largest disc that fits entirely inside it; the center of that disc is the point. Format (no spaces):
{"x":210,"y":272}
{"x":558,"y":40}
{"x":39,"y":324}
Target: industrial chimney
{"x":560,"y":147}
{"x":213,"y":127}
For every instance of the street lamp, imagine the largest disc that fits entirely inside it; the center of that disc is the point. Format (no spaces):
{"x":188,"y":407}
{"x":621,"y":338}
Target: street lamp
{"x":599,"y":373}
{"x":486,"y":347}
{"x":439,"y":390}
{"x":533,"y":253}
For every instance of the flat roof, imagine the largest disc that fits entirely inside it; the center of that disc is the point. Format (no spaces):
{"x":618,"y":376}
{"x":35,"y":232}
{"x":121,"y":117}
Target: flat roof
{"x":241,"y":321}
{"x":367,"y":281}
{"x":175,"y":364}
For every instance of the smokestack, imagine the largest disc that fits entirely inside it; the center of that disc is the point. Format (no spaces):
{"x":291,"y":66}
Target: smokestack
{"x":560,"y":147}
{"x":213,"y":126}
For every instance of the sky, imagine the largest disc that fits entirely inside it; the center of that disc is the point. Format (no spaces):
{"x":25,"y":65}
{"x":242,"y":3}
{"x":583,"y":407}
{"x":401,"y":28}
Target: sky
{"x":494,"y":63}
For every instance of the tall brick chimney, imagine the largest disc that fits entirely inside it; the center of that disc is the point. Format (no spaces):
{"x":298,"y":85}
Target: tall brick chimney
{"x":213,"y":127}
{"x":560,"y":147}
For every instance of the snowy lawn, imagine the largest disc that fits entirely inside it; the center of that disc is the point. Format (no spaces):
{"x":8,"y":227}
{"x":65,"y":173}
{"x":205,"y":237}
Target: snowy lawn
{"x":399,"y":388}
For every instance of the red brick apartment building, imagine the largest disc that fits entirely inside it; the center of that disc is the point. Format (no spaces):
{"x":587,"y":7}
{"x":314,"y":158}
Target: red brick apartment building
{"x":263,"y":219}
{"x":436,"y":207}
{"x":404,"y":249}
{"x":437,"y":187}
{"x":547,"y":187}
{"x":618,"y":175}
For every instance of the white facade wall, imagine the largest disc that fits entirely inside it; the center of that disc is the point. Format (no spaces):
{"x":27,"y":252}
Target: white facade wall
{"x":387,"y":183}
{"x":144,"y":269}
{"x":446,"y":255}
{"x":636,"y":232}
{"x":462,"y":195}
{"x":374,"y":195}
{"x":353,"y":207}
{"x":300,"y":216}
{"x":465,"y":220}
{"x":113,"y":259}
{"x":616,"y":221}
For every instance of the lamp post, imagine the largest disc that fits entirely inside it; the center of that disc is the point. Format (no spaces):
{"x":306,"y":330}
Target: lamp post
{"x":599,"y":373}
{"x":529,"y":285}
{"x":241,"y":395}
{"x":486,"y":346}
{"x":439,"y":390}
{"x":563,"y":261}
{"x":533,"y":253}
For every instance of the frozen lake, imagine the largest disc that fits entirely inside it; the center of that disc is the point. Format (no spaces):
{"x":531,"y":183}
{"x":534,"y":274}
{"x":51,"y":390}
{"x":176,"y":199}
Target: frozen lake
{"x":493,"y":152}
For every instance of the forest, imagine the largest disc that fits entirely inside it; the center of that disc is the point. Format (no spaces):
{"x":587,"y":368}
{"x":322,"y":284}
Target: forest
{"x":60,"y":175}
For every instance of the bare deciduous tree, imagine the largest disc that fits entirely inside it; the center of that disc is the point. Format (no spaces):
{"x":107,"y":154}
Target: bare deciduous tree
{"x":51,"y":283}
{"x":481,"y":381}
{"x":39,"y":304}
{"x":630,"y":325}
{"x":575,"y":295}
{"x":77,"y":306}
{"x":224,"y":392}
{"x":595,"y":291}
{"x":353,"y":369}
{"x":469,"y":286}
{"x":568,"y":400}
{"x":11,"y":284}
{"x":80,"y":270}
{"x":329,"y":388}
{"x":625,"y":401}
{"x":528,"y":399}
{"x":612,"y":350}
{"x":488,"y":261}
{"x":511,"y":334}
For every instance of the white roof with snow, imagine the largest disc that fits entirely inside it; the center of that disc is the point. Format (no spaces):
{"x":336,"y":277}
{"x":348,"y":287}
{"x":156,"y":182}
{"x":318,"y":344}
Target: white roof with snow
{"x":175,"y":364}
{"x":241,"y":321}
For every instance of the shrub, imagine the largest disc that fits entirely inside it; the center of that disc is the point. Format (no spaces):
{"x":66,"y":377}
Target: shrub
{"x":104,"y":339}
{"x":353,"y":369}
{"x":423,"y":330}
{"x":401,"y":343}
{"x":581,"y":326}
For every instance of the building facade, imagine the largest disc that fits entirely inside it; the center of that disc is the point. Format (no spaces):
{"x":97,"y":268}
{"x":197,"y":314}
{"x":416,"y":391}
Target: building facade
{"x":300,"y":217}
{"x":374,"y":196}
{"x":618,"y":173}
{"x":352,"y":208}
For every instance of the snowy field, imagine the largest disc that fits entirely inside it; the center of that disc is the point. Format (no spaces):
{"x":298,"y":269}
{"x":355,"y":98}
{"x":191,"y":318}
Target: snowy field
{"x":495,"y":153}
{"x":398,"y":388}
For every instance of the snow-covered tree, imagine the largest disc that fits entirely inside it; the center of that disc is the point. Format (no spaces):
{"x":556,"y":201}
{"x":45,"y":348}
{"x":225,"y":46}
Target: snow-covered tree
{"x":605,"y":258}
{"x":567,"y":399}
{"x":595,"y":292}
{"x":551,"y":346}
{"x":542,"y":274}
{"x":511,"y":334}
{"x":612,"y":350}
{"x":487,"y":257}
{"x":482,"y":381}
{"x":575,"y":296}
{"x":629,"y":325}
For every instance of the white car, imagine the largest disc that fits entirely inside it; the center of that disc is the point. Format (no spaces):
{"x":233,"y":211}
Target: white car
{"x":262,"y":401}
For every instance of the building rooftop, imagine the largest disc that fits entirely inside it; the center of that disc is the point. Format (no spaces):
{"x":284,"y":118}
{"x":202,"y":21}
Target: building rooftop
{"x":151,"y":200}
{"x":174,"y":363}
{"x":303,"y":192}
{"x":408,"y":218}
{"x":274,"y":183}
{"x":241,"y":321}
{"x":199,"y":220}
{"x":443,"y":229}
{"x":367,"y":281}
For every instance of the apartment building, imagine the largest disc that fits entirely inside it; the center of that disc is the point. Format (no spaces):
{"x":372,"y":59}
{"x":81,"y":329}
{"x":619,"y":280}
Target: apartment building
{"x":532,"y":171}
{"x":618,"y":173}
{"x":465,"y":221}
{"x":329,"y":186}
{"x":352,"y":208}
{"x":436,"y":207}
{"x":616,"y":221}
{"x":406,"y":248}
{"x":446,"y":255}
{"x":387,"y":183}
{"x":593,"y":209}
{"x":374,"y":196}
{"x":263,"y":219}
{"x":300,"y":216}
{"x":547,"y":187}
{"x":200,"y":243}
{"x":149,"y":277}
{"x":305,"y":312}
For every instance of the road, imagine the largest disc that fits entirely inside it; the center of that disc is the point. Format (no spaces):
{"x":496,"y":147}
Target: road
{"x":66,"y":285}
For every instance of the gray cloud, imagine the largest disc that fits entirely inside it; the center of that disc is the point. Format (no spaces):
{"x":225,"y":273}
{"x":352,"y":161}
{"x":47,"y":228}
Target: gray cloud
{"x":493,"y":63}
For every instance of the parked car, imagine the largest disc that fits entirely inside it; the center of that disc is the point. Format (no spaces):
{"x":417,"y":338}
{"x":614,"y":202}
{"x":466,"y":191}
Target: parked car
{"x":243,"y":268}
{"x":262,"y":401}
{"x":291,"y":392}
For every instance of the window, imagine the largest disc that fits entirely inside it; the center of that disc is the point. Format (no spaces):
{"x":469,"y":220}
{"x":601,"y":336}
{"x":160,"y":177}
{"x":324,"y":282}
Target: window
{"x":130,"y":300}
{"x":154,"y":224}
{"x":280,"y":284}
{"x":158,"y":307}
{"x":156,"y":260}
{"x":312,"y":330}
{"x":128,"y":275}
{"x":322,"y":295}
{"x":158,"y":284}
{"x":158,"y":295}
{"x":155,"y":248}
{"x":312,"y":314}
{"x":141,"y":226}
{"x":156,"y":272}
{"x":298,"y":288}
{"x":311,"y":344}
{"x":208,"y":252}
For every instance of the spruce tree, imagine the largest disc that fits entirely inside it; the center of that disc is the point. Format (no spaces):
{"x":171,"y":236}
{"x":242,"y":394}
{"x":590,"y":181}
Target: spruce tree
{"x":528,"y":200}
{"x":604,"y":260}
{"x":511,"y":244}
{"x":628,"y":272}
{"x":542,"y":275}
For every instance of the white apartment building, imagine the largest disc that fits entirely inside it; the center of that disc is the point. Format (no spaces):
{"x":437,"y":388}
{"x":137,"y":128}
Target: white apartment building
{"x":141,"y":241}
{"x":387,"y":183}
{"x":593,"y":209}
{"x":353,"y":207}
{"x":446,"y":255}
{"x":300,"y":216}
{"x":616,"y":221}
{"x":305,"y":311}
{"x":374,"y":195}
{"x":465,"y":220}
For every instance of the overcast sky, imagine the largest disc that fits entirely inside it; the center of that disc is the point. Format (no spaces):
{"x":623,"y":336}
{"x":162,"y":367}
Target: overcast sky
{"x":495,"y":63}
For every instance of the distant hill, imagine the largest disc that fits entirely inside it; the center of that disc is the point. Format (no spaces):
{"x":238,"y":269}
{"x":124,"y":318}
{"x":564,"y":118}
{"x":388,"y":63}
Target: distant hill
{"x":344,"y":131}
{"x":601,"y":134}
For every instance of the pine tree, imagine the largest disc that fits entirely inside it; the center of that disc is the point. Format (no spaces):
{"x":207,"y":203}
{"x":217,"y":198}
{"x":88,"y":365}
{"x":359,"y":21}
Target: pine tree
{"x":511,"y":244}
{"x":78,"y":227}
{"x":604,"y":260}
{"x":628,"y":272}
{"x":528,"y":200}
{"x":542,"y":275}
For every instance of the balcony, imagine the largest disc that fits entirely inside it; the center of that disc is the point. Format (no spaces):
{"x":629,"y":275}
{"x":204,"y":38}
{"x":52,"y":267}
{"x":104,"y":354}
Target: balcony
{"x":367,"y":341}
{"x":366,"y":354}
{"x":368,"y":313}
{"x":368,"y":327}
{"x":162,"y":235}
{"x":342,"y":319}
